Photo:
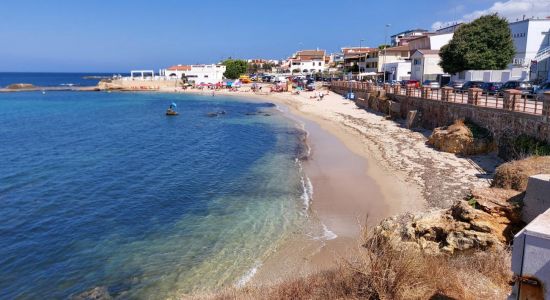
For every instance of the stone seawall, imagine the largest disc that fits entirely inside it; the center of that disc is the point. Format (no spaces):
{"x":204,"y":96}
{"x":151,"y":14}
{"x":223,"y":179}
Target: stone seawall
{"x":503,"y":124}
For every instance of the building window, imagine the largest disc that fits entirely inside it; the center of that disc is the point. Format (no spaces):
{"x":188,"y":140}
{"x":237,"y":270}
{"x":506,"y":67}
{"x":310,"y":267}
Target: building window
{"x":417,"y":61}
{"x":205,"y":76}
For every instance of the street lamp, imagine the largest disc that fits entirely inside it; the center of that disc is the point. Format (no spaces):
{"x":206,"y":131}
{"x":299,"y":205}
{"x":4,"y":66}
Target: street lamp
{"x":385,"y":46}
{"x":359,"y":63}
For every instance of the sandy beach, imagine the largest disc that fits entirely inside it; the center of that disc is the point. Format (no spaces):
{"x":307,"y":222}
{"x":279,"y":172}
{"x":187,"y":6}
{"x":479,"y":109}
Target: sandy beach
{"x":362,"y":166}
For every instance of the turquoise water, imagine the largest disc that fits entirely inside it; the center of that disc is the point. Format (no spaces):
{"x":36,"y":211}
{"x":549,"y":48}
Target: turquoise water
{"x":104,"y":190}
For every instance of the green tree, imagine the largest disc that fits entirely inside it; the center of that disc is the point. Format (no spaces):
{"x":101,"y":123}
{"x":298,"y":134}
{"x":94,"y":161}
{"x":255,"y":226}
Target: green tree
{"x":234,"y":68}
{"x":484,"y":44}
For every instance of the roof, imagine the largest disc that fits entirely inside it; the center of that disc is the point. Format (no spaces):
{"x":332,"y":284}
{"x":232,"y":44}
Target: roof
{"x":398,"y":48}
{"x":355,"y":50}
{"x":427,"y":51}
{"x":310,"y":54}
{"x":410,"y":31}
{"x":530,"y":20}
{"x":179,"y":68}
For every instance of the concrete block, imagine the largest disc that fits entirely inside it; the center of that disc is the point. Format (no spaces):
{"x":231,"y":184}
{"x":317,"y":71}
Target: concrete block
{"x":531,"y":260}
{"x":537,"y":197}
{"x":413,"y":119}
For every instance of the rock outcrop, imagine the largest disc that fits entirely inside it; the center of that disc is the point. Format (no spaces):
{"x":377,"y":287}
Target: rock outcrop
{"x":489,"y":218}
{"x":20,"y":86}
{"x":458,"y":138}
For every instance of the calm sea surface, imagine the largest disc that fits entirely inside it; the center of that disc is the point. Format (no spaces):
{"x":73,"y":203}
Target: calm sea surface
{"x":52,"y":79}
{"x":103,"y":190}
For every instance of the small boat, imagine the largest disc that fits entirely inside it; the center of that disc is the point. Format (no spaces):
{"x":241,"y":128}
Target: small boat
{"x":171,"y":111}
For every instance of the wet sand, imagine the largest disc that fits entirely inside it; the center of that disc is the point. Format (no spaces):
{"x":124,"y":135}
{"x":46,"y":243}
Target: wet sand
{"x":344,"y":194}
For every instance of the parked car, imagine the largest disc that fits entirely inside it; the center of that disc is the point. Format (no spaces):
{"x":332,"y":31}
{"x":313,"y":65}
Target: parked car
{"x":525,"y":87}
{"x":456,"y":85}
{"x":470,"y":84}
{"x":541,"y":90}
{"x":416,"y":83}
{"x":491,"y":88}
{"x":266,"y":78}
{"x":431,"y":84}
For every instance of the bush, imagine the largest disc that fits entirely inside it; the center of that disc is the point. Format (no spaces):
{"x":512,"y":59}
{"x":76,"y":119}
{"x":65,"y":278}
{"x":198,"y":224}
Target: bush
{"x":515,"y":174}
{"x":526,"y":145}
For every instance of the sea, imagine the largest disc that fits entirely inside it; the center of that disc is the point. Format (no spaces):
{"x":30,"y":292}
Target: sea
{"x":103,"y":191}
{"x":53,"y":79}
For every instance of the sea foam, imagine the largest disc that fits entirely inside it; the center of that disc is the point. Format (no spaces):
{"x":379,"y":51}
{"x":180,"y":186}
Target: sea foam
{"x":248,"y":275}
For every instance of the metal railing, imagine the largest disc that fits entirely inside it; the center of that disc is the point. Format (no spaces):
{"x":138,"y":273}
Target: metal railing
{"x":523,"y":103}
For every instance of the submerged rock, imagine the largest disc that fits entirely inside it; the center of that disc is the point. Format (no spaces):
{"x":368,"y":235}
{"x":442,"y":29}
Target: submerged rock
{"x":216,"y":113}
{"x":97,"y":293}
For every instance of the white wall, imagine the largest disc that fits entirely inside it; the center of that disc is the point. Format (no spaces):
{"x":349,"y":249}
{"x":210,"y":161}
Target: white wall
{"x":440,"y":40}
{"x":399,"y":70}
{"x":200,"y":73}
{"x":428,"y":67}
{"x":316,"y":65}
{"x":528,"y":38}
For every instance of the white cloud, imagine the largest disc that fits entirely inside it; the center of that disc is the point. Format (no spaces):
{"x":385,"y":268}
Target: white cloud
{"x":511,"y":10}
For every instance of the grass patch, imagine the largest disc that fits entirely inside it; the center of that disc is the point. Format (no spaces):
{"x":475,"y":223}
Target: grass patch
{"x":525,"y":145}
{"x":477,"y":131}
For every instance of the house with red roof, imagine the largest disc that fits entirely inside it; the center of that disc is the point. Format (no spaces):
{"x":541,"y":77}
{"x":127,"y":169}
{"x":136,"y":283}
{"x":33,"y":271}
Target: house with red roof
{"x":308,"y":61}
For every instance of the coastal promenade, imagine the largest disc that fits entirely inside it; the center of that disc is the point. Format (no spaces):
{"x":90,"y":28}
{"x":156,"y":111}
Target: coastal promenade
{"x":511,"y":100}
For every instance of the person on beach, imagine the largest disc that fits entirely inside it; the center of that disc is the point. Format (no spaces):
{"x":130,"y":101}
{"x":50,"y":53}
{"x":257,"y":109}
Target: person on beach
{"x":321,"y":95}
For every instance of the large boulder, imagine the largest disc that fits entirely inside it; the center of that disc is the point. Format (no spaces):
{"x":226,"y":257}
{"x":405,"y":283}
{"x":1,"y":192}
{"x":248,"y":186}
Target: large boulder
{"x":462,"y":138}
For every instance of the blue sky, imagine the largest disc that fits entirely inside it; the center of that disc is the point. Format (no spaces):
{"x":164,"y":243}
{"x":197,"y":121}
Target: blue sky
{"x":116,"y":36}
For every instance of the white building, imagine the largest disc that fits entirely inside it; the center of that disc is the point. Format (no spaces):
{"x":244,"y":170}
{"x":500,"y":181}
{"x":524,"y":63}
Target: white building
{"x":398,"y":70}
{"x":532,"y":42}
{"x":309,"y":61}
{"x":425,"y":65}
{"x":195,"y":73}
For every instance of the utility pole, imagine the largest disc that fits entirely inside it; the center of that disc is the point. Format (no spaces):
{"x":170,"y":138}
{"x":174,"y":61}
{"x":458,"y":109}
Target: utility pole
{"x":385,"y":46}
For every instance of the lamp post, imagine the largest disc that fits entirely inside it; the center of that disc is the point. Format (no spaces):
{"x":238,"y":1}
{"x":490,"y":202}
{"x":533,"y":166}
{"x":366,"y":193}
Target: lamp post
{"x":385,"y":46}
{"x":359,"y":63}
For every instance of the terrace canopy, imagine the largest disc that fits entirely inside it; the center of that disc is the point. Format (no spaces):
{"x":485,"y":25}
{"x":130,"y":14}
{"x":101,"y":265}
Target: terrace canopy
{"x":142,"y":73}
